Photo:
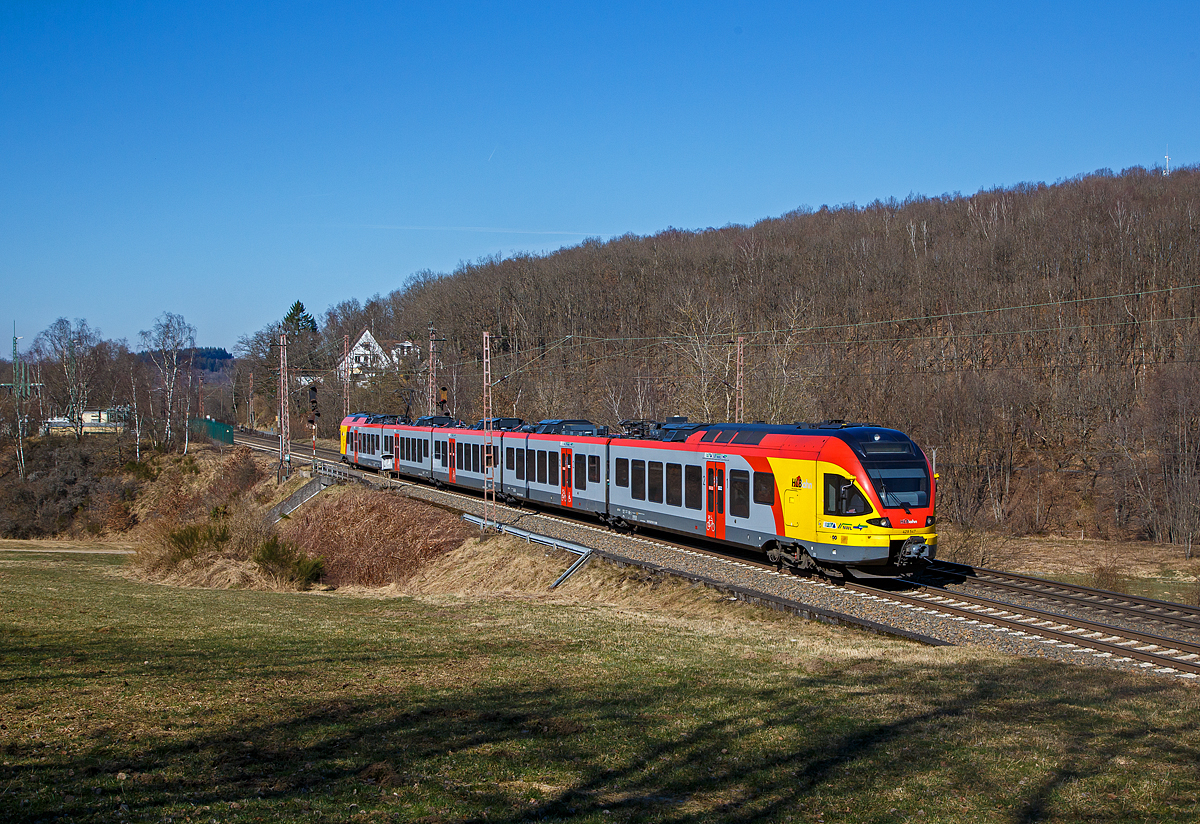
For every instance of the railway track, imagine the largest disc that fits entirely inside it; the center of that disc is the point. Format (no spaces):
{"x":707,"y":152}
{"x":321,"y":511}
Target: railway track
{"x":1173,"y":618}
{"x":1105,"y":642}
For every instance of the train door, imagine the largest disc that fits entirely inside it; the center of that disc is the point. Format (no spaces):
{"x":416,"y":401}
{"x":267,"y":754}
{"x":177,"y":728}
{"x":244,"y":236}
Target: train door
{"x":714,"y":522}
{"x":564,"y":490}
{"x":453,"y":461}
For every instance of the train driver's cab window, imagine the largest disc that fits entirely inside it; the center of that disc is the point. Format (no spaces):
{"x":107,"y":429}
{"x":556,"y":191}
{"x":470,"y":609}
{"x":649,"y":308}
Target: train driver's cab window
{"x":842,"y":497}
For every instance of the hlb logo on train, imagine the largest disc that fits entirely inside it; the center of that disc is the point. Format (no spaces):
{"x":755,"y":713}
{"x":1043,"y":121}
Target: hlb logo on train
{"x":799,"y":483}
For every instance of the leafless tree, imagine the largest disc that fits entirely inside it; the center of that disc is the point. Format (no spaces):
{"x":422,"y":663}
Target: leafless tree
{"x":168,"y":343}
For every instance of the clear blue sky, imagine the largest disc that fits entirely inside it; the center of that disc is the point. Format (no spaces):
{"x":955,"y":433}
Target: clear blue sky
{"x":221,"y":160}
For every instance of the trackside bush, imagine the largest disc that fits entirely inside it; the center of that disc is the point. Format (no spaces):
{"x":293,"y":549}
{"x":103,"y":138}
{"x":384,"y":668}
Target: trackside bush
{"x":288,"y":562}
{"x":190,"y":540}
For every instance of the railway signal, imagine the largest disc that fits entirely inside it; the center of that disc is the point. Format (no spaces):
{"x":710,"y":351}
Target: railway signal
{"x":313,"y":412}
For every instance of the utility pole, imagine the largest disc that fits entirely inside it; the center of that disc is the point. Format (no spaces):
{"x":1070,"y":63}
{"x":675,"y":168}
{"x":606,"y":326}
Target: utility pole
{"x":285,"y":435}
{"x":432,"y":371}
{"x":20,"y":393}
{"x":200,"y":397}
{"x":345,"y":376}
{"x":489,"y":463}
{"x":741,"y":409}
{"x":251,"y":404}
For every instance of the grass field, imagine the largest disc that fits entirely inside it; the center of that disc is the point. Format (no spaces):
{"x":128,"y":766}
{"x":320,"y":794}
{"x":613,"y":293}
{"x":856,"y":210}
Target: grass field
{"x":123,"y":701}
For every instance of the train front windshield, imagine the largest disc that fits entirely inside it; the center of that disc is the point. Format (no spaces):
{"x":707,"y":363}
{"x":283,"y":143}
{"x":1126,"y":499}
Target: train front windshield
{"x":905,"y":486}
{"x":896,"y":467}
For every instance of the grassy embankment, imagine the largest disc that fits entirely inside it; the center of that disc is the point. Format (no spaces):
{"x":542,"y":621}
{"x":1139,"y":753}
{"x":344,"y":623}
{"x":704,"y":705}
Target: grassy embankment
{"x":618,"y":700}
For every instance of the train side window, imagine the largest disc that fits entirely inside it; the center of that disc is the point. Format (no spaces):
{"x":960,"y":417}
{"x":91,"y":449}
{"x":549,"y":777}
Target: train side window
{"x":594,"y":469}
{"x":475,"y":457}
{"x":711,"y":495}
{"x":445,"y":451}
{"x":622,"y":472}
{"x":580,"y":471}
{"x":638,"y":489}
{"x":764,"y":488}
{"x":720,"y":491}
{"x":510,"y":459}
{"x":693,"y":487}
{"x":655,"y":481}
{"x":520,"y":464}
{"x":739,"y":493}
{"x":462,"y":452}
{"x":437,"y":450}
{"x":709,"y":435}
{"x":541,"y":467}
{"x":424,"y":449}
{"x":552,"y":468}
{"x":674,"y":484}
{"x":726,"y":436}
{"x":531,"y":464}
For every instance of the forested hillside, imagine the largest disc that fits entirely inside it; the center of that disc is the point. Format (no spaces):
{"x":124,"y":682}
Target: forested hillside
{"x":1041,"y":338}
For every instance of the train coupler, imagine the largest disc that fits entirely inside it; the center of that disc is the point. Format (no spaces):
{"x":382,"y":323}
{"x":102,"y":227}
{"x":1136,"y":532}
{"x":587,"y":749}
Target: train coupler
{"x":914,"y":552}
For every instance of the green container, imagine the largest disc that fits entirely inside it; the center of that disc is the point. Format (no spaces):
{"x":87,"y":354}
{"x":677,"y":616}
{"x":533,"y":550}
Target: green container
{"x":208,"y":428}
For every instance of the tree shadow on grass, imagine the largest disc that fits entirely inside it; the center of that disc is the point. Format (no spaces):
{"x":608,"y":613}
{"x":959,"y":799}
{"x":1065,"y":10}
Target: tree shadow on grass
{"x":836,"y":744}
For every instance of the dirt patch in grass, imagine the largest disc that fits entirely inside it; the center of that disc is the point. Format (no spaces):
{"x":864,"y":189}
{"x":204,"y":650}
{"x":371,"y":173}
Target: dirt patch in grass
{"x":47,"y":545}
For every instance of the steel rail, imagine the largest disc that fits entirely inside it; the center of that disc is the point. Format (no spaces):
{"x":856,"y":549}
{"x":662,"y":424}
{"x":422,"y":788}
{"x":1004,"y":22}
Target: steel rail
{"x":1098,"y":600}
{"x":1171,"y":654}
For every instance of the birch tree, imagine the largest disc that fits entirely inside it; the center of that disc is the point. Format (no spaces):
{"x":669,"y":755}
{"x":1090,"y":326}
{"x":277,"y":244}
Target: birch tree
{"x":169,"y":343}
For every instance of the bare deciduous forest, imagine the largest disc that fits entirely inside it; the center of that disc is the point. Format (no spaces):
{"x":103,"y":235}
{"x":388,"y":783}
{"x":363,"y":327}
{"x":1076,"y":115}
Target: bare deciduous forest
{"x":1042,"y":338}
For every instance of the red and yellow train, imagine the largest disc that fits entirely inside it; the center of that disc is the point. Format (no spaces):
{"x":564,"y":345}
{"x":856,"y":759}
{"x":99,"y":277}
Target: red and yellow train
{"x":832,"y":497}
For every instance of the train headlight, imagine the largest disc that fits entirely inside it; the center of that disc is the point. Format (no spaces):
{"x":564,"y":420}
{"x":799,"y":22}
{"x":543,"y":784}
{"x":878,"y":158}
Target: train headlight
{"x":931,"y":520}
{"x":883,"y":522}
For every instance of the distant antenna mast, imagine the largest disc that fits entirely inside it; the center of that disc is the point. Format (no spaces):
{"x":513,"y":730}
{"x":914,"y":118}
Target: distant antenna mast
{"x":1167,"y":170}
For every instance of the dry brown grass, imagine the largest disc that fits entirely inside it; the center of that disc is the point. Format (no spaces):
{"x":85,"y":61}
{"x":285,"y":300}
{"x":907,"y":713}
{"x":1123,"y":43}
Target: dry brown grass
{"x":372,"y":538}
